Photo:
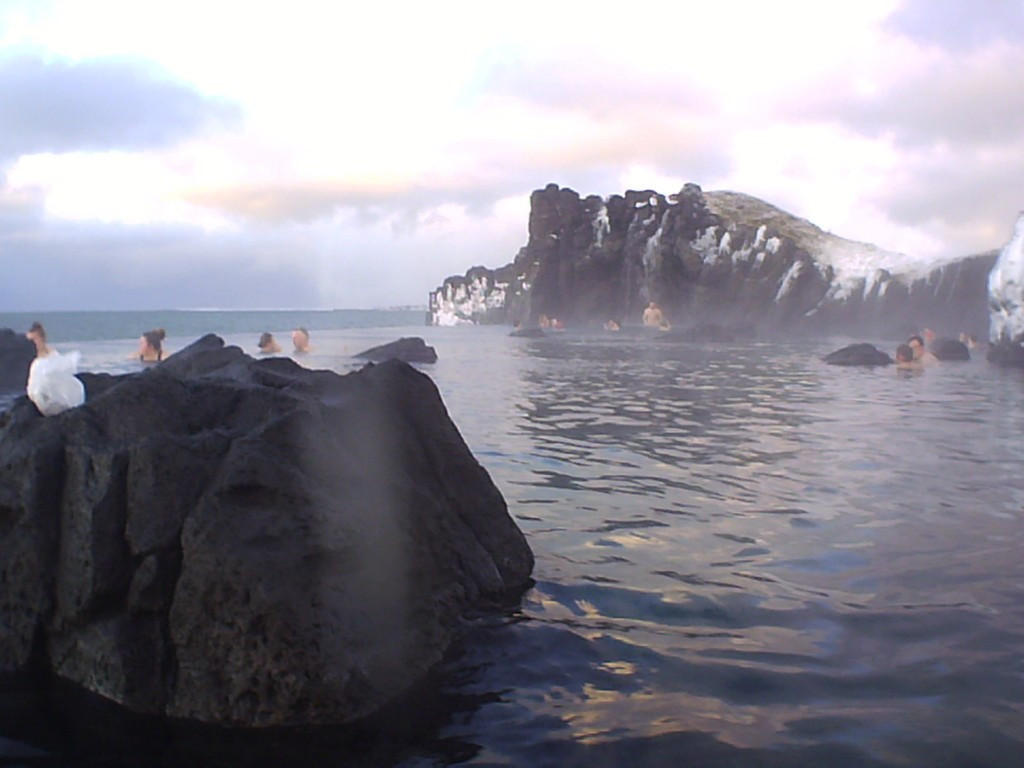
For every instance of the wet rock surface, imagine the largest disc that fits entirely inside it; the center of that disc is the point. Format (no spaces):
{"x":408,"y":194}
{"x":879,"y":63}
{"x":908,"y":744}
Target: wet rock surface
{"x":409,"y":349}
{"x":950,"y":349}
{"x":16,"y":355}
{"x":858,"y":354}
{"x":246,"y":543}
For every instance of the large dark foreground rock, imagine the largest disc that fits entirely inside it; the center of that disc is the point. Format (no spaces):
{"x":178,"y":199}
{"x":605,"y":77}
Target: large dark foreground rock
{"x":16,"y":355}
{"x":246,"y":542}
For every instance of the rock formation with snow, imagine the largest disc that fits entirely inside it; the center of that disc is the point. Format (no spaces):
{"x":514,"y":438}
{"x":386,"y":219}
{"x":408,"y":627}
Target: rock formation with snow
{"x":716,"y":257}
{"x":1006,"y":302}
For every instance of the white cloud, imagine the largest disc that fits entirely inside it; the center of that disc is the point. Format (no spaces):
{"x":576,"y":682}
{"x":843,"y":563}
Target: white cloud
{"x":380,"y":147}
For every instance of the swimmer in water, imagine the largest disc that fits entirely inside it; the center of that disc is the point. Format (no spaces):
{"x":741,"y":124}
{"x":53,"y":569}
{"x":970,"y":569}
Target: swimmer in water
{"x":268,"y":344}
{"x":921,"y":354}
{"x":151,"y":346}
{"x":905,"y":360}
{"x":300,"y":340}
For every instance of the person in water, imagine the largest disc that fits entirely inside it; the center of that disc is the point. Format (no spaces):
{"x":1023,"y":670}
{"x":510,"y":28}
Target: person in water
{"x":653,"y":318}
{"x":151,"y":346}
{"x":905,"y":359}
{"x":37,"y":335}
{"x":268,"y":344}
{"x":611,"y":325}
{"x":300,"y":340}
{"x":921,"y":354}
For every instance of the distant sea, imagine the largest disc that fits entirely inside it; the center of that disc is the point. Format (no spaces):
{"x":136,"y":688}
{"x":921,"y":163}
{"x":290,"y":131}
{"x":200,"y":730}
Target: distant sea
{"x":188,"y":324}
{"x":745,"y":557}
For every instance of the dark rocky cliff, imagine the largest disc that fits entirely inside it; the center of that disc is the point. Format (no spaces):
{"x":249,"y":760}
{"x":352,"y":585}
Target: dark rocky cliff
{"x":716,"y":257}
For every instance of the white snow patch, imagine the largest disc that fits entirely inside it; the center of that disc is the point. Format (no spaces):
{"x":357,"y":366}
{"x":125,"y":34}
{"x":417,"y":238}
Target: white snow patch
{"x":650,"y":250}
{"x":459,"y":304}
{"x":789,"y":279}
{"x":759,"y":237}
{"x":773,"y":244}
{"x":602,"y":226}
{"x":858,"y":266}
{"x":1006,"y":290}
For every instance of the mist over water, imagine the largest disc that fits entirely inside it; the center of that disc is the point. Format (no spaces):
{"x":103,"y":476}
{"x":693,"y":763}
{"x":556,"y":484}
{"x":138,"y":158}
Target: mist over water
{"x":744,"y":556}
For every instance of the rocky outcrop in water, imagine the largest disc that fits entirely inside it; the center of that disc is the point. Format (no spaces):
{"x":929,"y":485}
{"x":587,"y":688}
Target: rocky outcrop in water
{"x":1006,"y":303}
{"x":858,"y":354}
{"x":409,"y":349}
{"x":709,"y":258}
{"x":16,"y":356}
{"x":245,"y":542}
{"x":949,"y":349}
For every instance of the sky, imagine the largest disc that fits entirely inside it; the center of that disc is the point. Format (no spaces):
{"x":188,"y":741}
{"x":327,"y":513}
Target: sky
{"x":236,"y":155}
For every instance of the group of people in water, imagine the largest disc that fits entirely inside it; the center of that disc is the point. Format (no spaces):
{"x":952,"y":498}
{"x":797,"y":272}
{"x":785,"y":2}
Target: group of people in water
{"x":914,"y":353}
{"x":268,"y":345}
{"x":151,"y":343}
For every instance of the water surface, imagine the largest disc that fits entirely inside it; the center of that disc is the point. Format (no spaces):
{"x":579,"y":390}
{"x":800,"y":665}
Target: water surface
{"x":744,"y":556}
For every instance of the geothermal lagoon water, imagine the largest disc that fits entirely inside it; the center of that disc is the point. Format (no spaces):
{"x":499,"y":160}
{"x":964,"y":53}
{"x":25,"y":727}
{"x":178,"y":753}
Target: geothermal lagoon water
{"x":744,"y":557}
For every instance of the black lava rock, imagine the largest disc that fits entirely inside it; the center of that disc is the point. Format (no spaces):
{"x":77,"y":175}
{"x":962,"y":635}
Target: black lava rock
{"x":409,"y":349}
{"x":246,"y":543}
{"x":16,"y":355}
{"x":950,"y":349}
{"x":858,"y":354}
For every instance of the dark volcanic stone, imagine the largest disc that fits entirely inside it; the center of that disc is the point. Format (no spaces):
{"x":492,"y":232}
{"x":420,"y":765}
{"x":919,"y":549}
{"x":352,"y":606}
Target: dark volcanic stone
{"x":858,"y":354}
{"x":246,"y":542}
{"x":409,"y":349}
{"x":1008,"y":354}
{"x":529,"y":333}
{"x":950,"y":349}
{"x":16,"y":355}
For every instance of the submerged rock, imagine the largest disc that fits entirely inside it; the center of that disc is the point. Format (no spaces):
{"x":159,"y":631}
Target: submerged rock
{"x":16,"y":356}
{"x":244,"y":542}
{"x":858,"y":354}
{"x":410,"y":349}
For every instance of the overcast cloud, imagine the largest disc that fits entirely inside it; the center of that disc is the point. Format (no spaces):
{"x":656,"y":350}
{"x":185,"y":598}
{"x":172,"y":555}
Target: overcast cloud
{"x":322,"y":157}
{"x":96,"y":105}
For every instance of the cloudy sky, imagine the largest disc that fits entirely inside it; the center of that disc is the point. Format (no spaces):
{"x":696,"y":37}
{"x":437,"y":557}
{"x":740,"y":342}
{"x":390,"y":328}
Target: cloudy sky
{"x":313,"y":154}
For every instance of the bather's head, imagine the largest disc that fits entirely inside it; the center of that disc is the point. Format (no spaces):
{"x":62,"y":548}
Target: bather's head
{"x":904,"y":353}
{"x":300,"y":340}
{"x":37,"y":335}
{"x":151,"y":345}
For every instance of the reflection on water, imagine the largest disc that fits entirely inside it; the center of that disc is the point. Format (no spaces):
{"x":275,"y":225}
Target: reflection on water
{"x":743,"y":552}
{"x":744,"y":557}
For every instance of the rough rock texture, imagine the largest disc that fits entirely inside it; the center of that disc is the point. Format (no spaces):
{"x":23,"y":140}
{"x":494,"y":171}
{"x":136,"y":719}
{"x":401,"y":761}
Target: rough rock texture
{"x":1006,"y":302}
{"x":410,"y":349}
{"x":949,"y":349}
{"x":716,"y":257}
{"x":16,"y":355}
{"x":858,"y":354}
{"x":246,"y":542}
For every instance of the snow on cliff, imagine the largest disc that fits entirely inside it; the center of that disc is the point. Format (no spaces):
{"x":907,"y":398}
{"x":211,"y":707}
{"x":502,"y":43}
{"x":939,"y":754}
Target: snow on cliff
{"x":854,"y":264}
{"x":1006,"y":290}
